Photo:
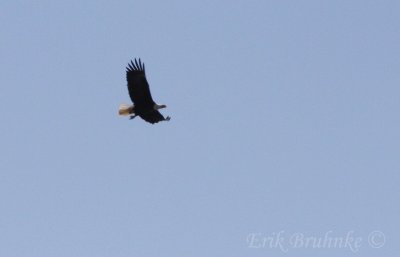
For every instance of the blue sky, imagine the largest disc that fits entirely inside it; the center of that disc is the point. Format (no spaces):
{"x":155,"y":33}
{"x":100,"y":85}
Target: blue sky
{"x":284,"y":120}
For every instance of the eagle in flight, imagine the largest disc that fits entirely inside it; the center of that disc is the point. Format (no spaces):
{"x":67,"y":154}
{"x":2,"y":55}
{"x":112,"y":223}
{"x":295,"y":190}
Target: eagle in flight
{"x":139,"y":92}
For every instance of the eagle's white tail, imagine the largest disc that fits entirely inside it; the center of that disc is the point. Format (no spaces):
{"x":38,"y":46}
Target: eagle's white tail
{"x":126,"y":109}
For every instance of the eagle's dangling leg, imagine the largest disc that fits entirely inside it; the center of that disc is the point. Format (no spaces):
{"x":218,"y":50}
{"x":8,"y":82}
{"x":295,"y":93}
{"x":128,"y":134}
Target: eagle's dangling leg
{"x":132,"y":117}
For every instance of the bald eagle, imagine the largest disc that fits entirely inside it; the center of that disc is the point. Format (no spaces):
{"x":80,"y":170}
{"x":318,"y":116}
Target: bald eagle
{"x":139,"y":92}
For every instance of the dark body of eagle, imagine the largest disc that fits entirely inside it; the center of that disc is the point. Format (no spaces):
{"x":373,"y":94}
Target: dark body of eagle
{"x":139,"y":92}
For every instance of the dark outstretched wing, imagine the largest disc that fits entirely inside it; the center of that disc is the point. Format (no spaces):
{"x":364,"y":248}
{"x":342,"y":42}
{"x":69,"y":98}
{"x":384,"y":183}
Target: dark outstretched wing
{"x":138,"y":87}
{"x":153,"y":117}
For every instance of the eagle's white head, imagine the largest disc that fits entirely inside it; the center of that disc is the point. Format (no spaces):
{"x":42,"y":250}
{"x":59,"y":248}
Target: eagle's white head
{"x":158,"y":107}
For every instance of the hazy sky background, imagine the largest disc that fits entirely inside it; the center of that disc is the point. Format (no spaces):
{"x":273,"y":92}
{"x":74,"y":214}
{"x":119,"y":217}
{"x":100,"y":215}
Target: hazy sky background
{"x":285,"y":118}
